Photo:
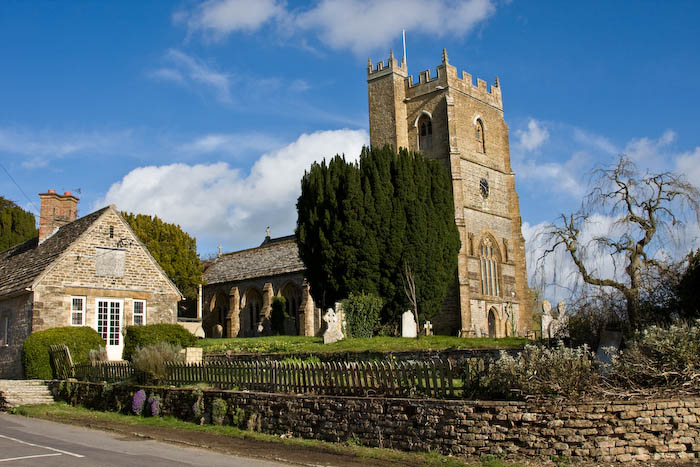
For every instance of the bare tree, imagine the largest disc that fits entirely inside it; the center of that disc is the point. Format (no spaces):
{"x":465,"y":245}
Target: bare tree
{"x":645,"y":206}
{"x":409,"y":288}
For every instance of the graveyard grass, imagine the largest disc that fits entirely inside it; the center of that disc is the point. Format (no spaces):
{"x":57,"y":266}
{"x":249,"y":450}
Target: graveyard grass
{"x":314,"y":345}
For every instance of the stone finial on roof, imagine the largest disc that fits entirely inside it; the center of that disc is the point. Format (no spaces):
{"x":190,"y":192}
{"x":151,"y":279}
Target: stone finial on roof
{"x":444,"y":56}
{"x":219,"y":255}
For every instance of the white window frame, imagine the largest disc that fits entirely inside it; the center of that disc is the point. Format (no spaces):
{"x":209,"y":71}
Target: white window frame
{"x":109,"y":301}
{"x":133,"y":312}
{"x":83,"y":311}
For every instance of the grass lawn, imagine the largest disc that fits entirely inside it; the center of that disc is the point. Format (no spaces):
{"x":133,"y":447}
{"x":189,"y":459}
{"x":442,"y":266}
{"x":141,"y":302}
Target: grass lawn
{"x":85,"y":417}
{"x":297,"y":344}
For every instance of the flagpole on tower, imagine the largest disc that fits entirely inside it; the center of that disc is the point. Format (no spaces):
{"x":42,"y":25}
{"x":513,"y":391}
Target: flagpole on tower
{"x":404,"y":46}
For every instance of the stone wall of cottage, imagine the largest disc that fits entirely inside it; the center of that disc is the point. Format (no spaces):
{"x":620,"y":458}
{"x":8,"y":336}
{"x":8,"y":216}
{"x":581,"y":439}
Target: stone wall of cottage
{"x":107,"y":262}
{"x":602,"y":431}
{"x":15,"y":326}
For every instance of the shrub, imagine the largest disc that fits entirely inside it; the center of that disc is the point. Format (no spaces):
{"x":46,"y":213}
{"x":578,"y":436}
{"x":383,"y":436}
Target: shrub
{"x":218,"y":411}
{"x":35,"y":351}
{"x":542,"y":371}
{"x":138,"y":402}
{"x":362,"y":314}
{"x":98,"y":355}
{"x":155,"y":405}
{"x":141,"y":336}
{"x":278,"y":315}
{"x":659,"y":357}
{"x":152,"y":359}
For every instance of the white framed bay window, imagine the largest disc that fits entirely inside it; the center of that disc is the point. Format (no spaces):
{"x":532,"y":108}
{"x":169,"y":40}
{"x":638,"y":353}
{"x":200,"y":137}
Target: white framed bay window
{"x":138,"y":315}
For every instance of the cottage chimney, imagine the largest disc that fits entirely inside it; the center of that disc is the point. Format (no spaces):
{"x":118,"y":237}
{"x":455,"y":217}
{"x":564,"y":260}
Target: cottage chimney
{"x":56,"y":211}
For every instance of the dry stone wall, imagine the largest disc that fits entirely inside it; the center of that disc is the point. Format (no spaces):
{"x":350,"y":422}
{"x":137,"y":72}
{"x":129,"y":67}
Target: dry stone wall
{"x":602,"y":431}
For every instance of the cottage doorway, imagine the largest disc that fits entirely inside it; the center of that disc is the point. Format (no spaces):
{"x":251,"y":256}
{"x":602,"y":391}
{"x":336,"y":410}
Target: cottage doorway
{"x":109,"y":325}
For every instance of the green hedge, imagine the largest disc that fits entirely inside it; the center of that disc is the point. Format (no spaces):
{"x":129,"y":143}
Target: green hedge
{"x":362,"y":314}
{"x":141,"y":336}
{"x":35,"y":351}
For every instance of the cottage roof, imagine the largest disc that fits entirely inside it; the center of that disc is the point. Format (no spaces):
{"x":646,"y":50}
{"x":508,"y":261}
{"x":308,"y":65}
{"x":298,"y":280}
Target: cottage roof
{"x":273,"y":257}
{"x":22,"y":264}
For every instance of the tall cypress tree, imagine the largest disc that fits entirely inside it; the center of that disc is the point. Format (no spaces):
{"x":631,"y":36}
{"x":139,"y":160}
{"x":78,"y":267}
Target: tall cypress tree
{"x":16,"y":224}
{"x":358,"y":225}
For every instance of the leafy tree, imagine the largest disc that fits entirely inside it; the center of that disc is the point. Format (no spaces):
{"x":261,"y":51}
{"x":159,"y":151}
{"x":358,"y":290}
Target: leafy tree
{"x":16,"y":224}
{"x":173,"y":249}
{"x":645,"y":207}
{"x":360,"y":224}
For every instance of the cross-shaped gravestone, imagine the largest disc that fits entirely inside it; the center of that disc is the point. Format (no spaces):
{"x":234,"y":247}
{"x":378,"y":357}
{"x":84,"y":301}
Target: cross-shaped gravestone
{"x":428,"y":326}
{"x":333,"y":332}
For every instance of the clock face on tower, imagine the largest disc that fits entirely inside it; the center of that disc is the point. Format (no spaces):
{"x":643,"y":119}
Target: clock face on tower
{"x":484,"y":188}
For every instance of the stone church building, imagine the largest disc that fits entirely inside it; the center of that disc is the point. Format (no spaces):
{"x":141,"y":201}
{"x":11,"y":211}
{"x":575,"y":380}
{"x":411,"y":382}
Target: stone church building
{"x":448,"y":118}
{"x":241,"y":285}
{"x":92,"y":271}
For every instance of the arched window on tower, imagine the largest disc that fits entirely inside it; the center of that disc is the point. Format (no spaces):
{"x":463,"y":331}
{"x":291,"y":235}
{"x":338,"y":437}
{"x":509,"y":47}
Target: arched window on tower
{"x":489,"y":268}
{"x":480,"y":136}
{"x":425,"y":132}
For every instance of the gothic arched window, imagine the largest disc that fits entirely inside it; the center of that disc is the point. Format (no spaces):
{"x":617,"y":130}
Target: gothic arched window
{"x":489,"y":268}
{"x":480,"y":136}
{"x":425,"y":132}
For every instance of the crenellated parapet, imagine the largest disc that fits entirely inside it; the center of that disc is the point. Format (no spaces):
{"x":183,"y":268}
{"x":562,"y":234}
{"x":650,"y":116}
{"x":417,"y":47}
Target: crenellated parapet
{"x":392,"y":66}
{"x":445,"y":77}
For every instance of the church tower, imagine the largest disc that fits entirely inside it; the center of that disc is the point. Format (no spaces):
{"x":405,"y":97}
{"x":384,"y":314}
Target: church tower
{"x":448,"y":118}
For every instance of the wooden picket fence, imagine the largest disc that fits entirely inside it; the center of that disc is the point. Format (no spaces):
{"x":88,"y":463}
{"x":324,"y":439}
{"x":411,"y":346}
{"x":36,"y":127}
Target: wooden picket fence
{"x":399,"y":379}
{"x":434,"y":379}
{"x":61,"y":361}
{"x":103,"y":371}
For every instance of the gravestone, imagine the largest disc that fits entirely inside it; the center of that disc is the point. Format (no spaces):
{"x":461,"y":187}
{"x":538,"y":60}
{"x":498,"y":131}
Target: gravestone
{"x":428,"y":326}
{"x":554,"y":320}
{"x":333,"y":332}
{"x":217,"y":331}
{"x":408,"y":325}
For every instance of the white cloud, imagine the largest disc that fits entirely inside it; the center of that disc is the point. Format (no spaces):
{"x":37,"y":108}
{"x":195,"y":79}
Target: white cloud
{"x":218,"y":18}
{"x":688,"y":164}
{"x":359,"y":25}
{"x":233,"y":144}
{"x":41,"y":146}
{"x":219,"y":203}
{"x":649,"y":151}
{"x":534,"y":136}
{"x":191,"y":71}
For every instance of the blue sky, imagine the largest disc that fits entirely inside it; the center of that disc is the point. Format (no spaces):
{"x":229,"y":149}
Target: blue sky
{"x":207,"y":113}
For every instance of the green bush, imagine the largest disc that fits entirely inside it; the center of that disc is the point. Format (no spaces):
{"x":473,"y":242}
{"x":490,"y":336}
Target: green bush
{"x":278,"y":315}
{"x":152,"y":358}
{"x":362,"y":314}
{"x":659,"y":357}
{"x":542,"y":371}
{"x":35,"y":351}
{"x":141,"y":336}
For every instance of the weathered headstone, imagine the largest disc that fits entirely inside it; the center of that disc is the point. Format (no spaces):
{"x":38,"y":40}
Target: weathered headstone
{"x":333,"y":332}
{"x":408,"y":325}
{"x":428,"y":326}
{"x":553,"y":320}
{"x":217,"y":331}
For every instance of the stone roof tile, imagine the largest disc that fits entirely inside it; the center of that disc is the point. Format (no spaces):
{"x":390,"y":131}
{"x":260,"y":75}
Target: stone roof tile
{"x":22,"y":264}
{"x":276,"y":256}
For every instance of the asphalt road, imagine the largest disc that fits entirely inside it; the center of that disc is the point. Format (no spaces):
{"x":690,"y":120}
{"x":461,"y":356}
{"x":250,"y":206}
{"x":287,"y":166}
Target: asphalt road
{"x":33,"y":442}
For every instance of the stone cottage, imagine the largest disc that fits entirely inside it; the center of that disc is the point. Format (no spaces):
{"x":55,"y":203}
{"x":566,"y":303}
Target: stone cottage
{"x":92,"y":271}
{"x":241,"y":285}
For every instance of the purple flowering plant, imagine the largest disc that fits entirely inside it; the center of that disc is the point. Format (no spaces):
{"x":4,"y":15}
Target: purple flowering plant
{"x":154,"y":402}
{"x":138,"y":402}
